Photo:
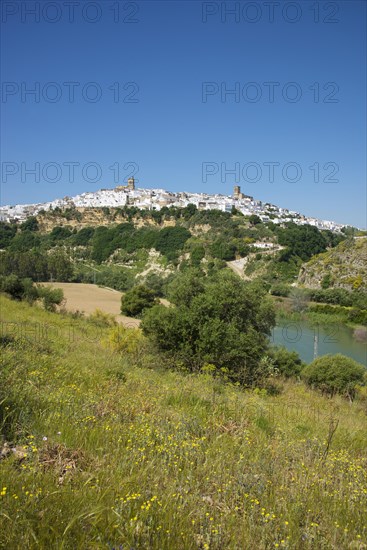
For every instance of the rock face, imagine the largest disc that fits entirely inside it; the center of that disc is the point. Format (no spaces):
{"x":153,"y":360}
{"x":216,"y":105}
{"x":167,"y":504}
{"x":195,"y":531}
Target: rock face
{"x":344,"y":266}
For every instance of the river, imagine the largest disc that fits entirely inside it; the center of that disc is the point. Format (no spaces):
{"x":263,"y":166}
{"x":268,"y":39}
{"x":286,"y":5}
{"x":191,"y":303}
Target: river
{"x":300,"y":337}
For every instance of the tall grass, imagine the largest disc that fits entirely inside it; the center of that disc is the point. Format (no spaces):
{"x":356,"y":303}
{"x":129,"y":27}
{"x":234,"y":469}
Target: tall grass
{"x":107,"y":454}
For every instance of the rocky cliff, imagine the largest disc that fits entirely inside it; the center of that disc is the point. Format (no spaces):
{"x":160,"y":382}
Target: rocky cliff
{"x":344,"y":266}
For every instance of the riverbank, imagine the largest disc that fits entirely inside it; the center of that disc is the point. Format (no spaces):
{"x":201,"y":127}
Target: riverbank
{"x":318,"y":314}
{"x":309,"y":339}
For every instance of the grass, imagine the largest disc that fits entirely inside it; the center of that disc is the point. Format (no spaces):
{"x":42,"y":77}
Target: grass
{"x":108,"y":454}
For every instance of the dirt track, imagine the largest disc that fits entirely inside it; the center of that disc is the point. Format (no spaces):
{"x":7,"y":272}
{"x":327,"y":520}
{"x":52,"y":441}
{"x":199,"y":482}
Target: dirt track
{"x":87,"y":298}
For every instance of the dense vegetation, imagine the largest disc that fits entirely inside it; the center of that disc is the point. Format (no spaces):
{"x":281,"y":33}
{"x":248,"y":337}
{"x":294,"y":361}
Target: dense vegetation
{"x":25,"y":289}
{"x":137,"y":247}
{"x":227,"y":236}
{"x":335,"y":374}
{"x":220,"y":321}
{"x":137,"y":300}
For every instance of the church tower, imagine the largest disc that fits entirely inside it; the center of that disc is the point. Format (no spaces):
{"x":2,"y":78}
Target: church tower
{"x":131,"y":184}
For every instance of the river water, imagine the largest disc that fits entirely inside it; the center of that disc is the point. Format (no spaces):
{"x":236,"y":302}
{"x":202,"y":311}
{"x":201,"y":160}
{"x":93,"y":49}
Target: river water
{"x":300,"y":337}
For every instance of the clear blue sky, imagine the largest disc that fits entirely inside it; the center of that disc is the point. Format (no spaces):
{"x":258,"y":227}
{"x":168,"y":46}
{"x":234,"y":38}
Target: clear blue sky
{"x":169,"y":132}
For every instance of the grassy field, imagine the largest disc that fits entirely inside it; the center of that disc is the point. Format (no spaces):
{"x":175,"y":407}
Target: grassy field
{"x":87,"y":298}
{"x":102,"y":450}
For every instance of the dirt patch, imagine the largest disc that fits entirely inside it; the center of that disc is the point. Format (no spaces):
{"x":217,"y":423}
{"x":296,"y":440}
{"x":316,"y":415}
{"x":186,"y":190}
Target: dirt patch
{"x":87,"y":298}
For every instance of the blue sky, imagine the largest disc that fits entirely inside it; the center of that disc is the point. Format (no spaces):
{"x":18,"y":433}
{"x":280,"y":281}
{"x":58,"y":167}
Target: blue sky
{"x":169,"y":119}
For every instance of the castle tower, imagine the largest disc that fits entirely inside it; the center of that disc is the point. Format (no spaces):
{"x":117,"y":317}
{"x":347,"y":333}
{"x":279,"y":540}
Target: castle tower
{"x":237,"y":192}
{"x":131,"y":184}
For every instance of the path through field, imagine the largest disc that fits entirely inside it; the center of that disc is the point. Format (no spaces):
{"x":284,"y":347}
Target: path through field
{"x":87,"y":298}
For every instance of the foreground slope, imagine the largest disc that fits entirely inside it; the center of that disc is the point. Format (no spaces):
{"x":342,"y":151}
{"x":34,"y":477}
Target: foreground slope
{"x":111,"y":451}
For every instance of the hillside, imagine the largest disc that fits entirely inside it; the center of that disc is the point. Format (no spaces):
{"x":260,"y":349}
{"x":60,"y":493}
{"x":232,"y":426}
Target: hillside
{"x":110,"y":451}
{"x":344,"y":266}
{"x":129,"y":243}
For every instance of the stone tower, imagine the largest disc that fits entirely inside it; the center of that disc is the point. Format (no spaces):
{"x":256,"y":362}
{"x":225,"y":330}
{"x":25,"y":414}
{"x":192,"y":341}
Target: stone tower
{"x":131,"y":184}
{"x":237,"y":192}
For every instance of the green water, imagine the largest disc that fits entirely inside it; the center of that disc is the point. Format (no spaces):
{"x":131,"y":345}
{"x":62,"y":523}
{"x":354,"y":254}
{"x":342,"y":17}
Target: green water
{"x":299,"y":336}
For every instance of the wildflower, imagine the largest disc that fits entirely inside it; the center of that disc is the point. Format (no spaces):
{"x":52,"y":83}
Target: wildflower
{"x":44,"y":438}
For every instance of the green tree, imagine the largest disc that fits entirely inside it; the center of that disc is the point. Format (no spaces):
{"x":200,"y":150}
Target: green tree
{"x":60,"y":233}
{"x":189,"y":211}
{"x":288,"y":363}
{"x":223,"y":250}
{"x":326,"y":281}
{"x":333,"y":374}
{"x":13,"y":286}
{"x":51,"y":297}
{"x":185,"y":287}
{"x":59,"y":266}
{"x":7,"y":232}
{"x":171,"y":240}
{"x":197,"y":254}
{"x":301,"y":240}
{"x":225,"y":324}
{"x":155,"y":283}
{"x":136,"y":300}
{"x":83,"y":237}
{"x":25,"y":241}
{"x":31,"y":224}
{"x":254,"y":219}
{"x":299,"y":298}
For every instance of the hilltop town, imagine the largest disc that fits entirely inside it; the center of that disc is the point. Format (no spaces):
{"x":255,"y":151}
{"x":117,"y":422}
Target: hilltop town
{"x":155,"y":199}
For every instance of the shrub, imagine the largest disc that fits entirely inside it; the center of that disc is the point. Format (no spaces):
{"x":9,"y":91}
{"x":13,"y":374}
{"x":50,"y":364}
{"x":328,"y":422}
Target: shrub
{"x":334,"y":374}
{"x":358,"y":316}
{"x":19,"y":289}
{"x":287,"y":363}
{"x":299,"y":298}
{"x":128,"y":342}
{"x":171,"y":240}
{"x":101,"y":319}
{"x":337,"y":296}
{"x":280,"y":289}
{"x":155,"y":283}
{"x":51,"y":297}
{"x":125,"y":340}
{"x":13,"y":286}
{"x":221,"y":321}
{"x":136,"y":300}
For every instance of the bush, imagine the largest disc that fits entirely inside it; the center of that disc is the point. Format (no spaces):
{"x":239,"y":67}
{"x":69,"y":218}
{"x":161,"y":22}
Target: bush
{"x":19,"y":289}
{"x":125,"y":340}
{"x":136,"y":300}
{"x":51,"y":297}
{"x":280,"y":289}
{"x":358,"y":316}
{"x":101,"y":319}
{"x":221,"y":321}
{"x":334,"y":374}
{"x":171,"y":240}
{"x":287,"y":363}
{"x":155,"y":283}
{"x":13,"y":286}
{"x":336,"y":296}
{"x":328,"y":309}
